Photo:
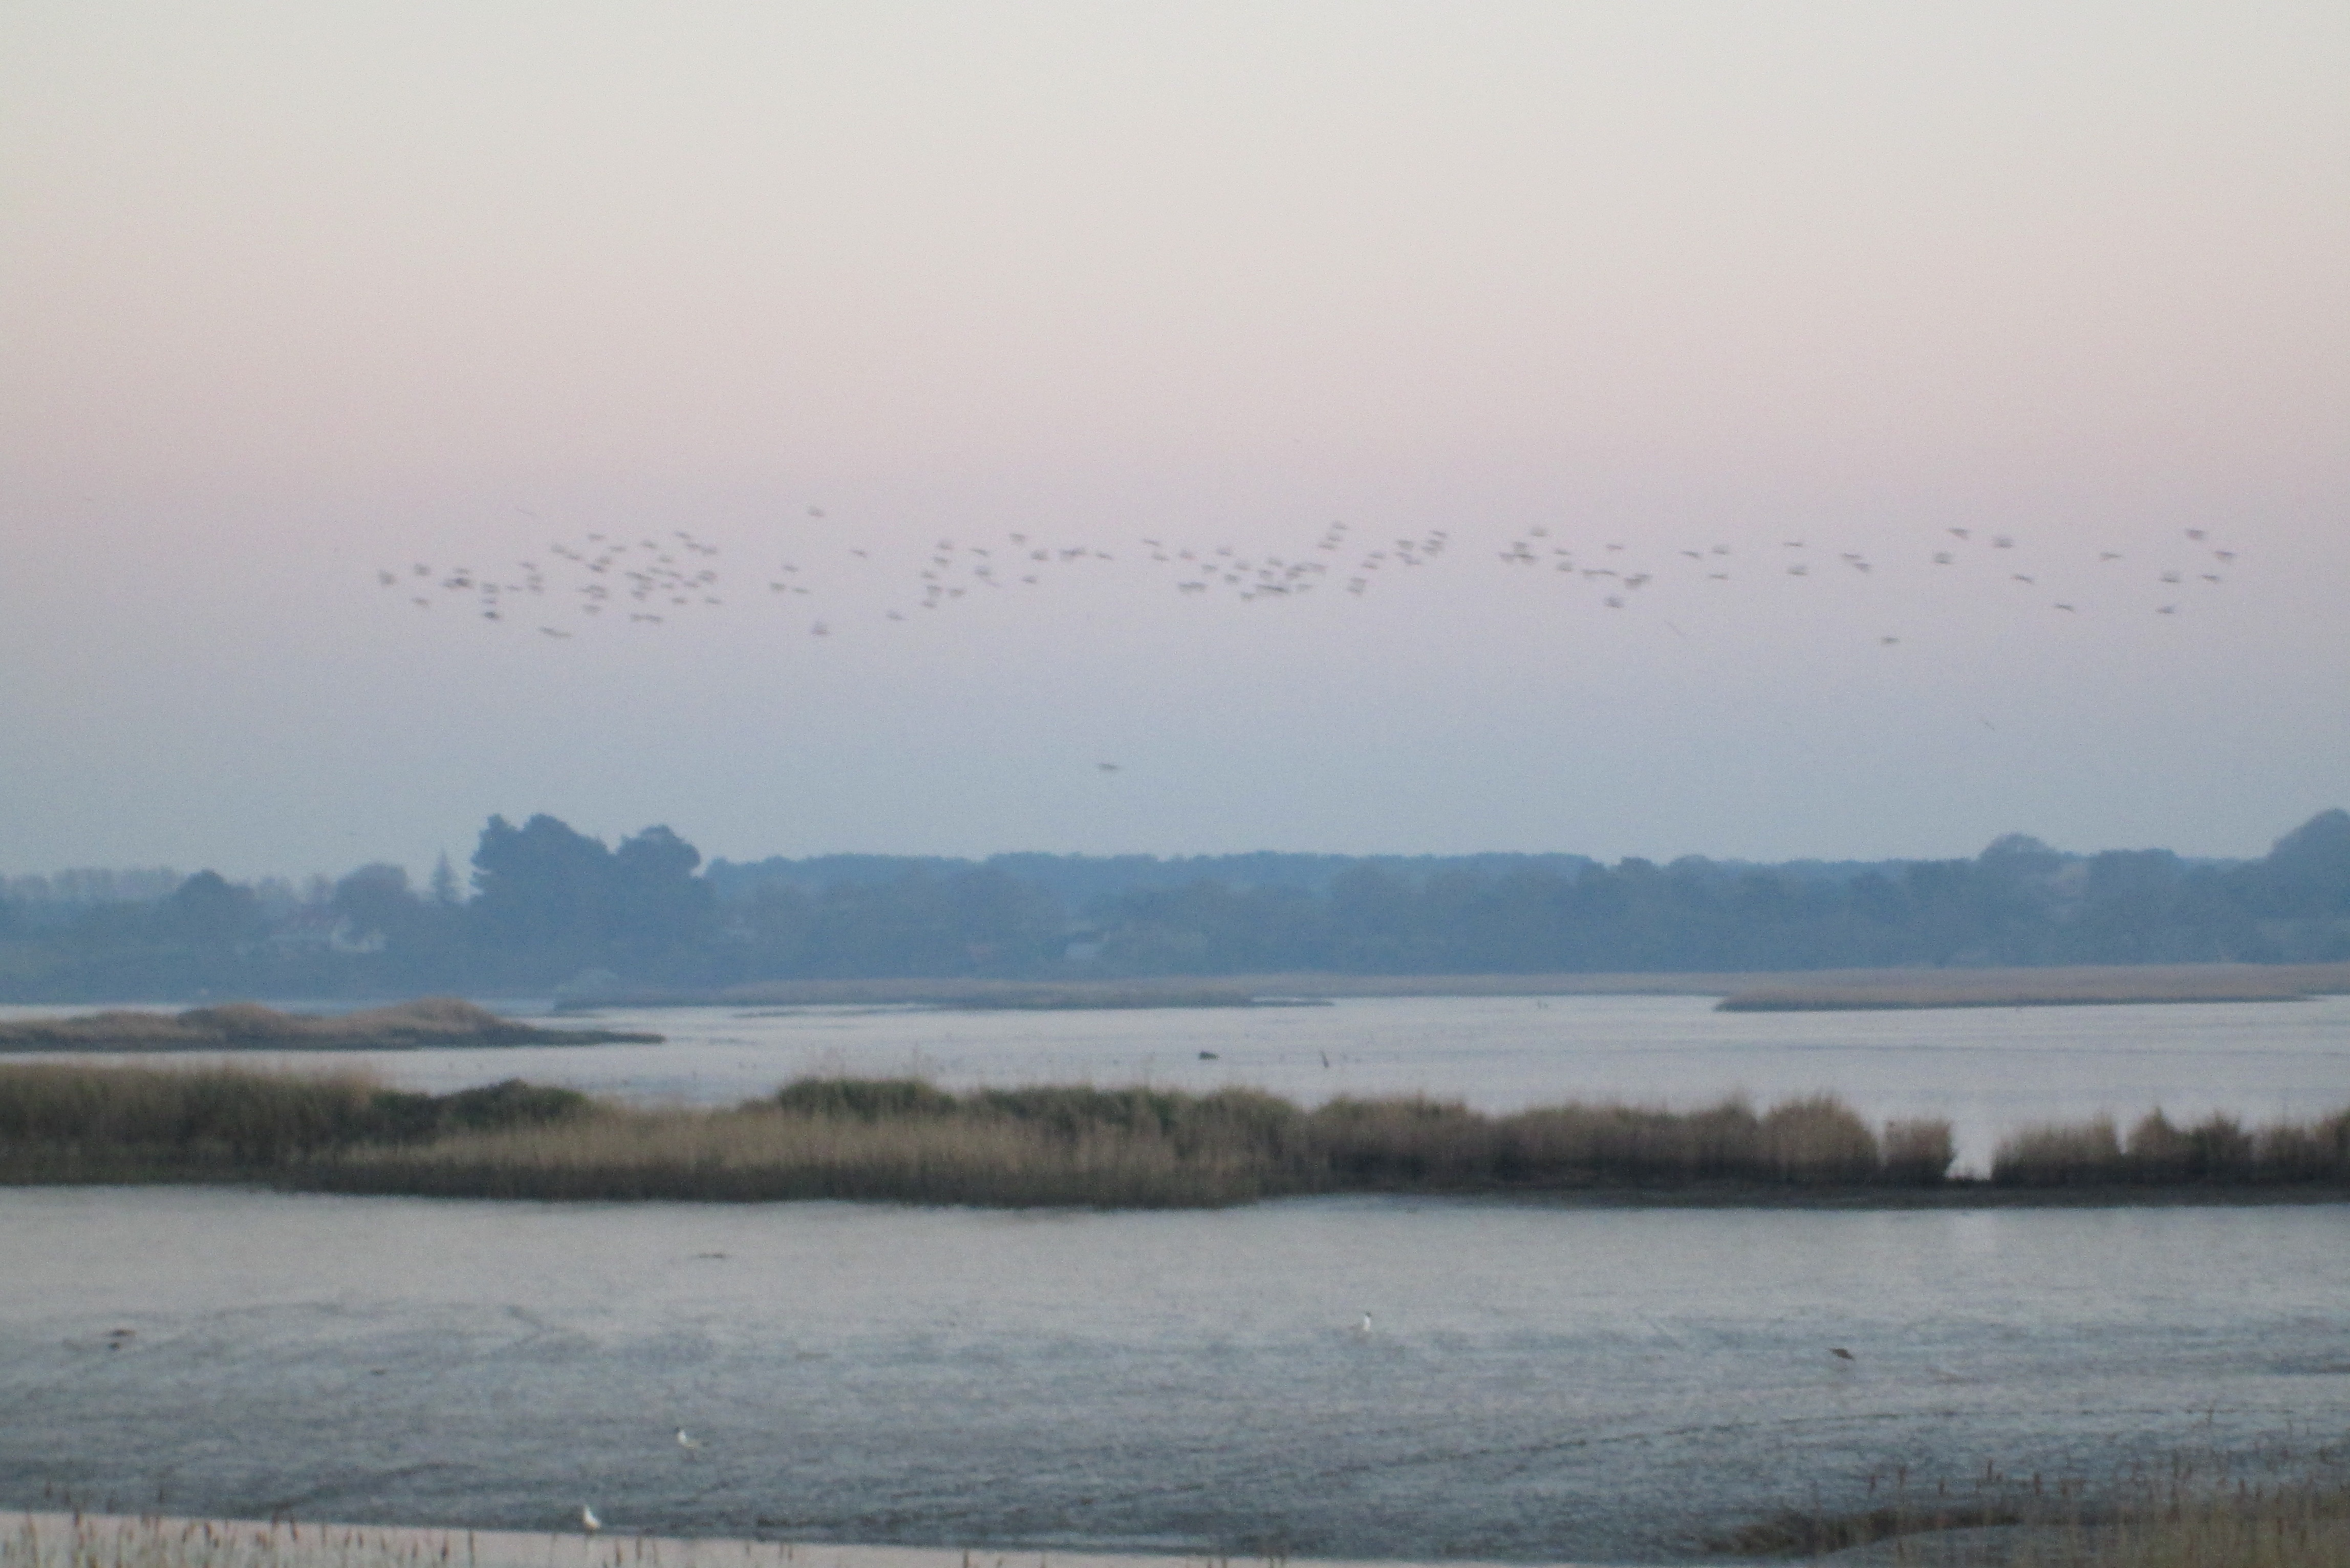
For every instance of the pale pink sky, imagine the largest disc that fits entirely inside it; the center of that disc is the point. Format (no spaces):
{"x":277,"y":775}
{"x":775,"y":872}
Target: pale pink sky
{"x":290,"y":294}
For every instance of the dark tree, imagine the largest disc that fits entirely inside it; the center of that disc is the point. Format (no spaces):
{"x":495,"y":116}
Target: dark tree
{"x":208,"y":910}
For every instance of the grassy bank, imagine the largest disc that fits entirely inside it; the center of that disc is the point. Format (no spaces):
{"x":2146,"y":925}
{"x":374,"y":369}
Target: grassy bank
{"x":435,"y":1020}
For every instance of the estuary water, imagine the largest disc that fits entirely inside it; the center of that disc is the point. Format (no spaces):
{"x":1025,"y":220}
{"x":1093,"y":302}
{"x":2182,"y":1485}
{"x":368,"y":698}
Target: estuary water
{"x":1987,"y":1070}
{"x":1536,"y":1383}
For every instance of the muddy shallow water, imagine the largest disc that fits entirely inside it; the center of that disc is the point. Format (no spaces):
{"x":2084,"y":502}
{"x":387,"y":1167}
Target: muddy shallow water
{"x":1537,"y":1383}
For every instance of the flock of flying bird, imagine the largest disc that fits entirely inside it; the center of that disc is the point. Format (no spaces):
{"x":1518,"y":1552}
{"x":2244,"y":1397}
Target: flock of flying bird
{"x":829,"y":580}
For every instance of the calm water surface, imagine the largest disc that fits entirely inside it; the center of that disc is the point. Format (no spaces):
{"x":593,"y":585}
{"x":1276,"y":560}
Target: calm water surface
{"x":1538,"y":1383}
{"x":1988,"y":1070}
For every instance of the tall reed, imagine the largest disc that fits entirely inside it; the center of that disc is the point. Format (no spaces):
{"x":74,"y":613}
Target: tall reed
{"x":911,"y":1140}
{"x":2218,"y":1150}
{"x":66,"y":1121}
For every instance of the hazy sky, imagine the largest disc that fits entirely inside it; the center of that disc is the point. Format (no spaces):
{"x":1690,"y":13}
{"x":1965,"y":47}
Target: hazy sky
{"x":292,"y":294}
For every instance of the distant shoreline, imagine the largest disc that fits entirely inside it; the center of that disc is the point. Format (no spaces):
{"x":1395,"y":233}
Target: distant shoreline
{"x":1768,"y":1004}
{"x":1805,"y":990}
{"x":1847,"y":990}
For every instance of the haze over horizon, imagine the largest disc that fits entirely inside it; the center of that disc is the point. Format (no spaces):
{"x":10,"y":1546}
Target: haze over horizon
{"x":294,"y":298}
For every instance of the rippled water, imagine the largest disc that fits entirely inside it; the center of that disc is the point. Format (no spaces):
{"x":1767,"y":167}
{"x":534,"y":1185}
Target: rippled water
{"x":1989,"y":1070}
{"x":1538,"y":1383}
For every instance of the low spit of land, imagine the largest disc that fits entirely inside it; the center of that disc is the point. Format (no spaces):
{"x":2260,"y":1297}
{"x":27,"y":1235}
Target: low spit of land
{"x":1819,"y":990}
{"x":1864,"y":990}
{"x":907,"y":1140}
{"x":435,"y":1020}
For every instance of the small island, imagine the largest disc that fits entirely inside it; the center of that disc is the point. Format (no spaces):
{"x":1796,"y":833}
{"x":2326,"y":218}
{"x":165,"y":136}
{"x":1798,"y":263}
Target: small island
{"x":432,"y":1020}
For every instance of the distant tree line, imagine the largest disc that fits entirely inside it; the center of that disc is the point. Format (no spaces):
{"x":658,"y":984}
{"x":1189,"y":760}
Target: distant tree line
{"x":548,"y":906}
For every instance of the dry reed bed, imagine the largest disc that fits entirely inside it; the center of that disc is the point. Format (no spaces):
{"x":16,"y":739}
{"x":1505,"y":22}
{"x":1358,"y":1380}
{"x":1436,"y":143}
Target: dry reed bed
{"x":1139,"y":1148}
{"x":61,"y":1121}
{"x":2158,"y":1153}
{"x":907,"y":1140}
{"x":2283,"y":1527}
{"x":2201,"y":1513}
